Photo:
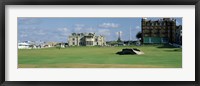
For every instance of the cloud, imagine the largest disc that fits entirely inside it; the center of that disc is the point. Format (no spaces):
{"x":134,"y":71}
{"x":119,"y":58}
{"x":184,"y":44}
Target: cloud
{"x":23,"y":35}
{"x":177,"y":23}
{"x":29,"y":21}
{"x":109,"y":25}
{"x":25,"y":28}
{"x":79,"y":25}
{"x":104,"y":32}
{"x":64,"y":31}
{"x":39,"y":32}
{"x":137,"y":27}
{"x":90,"y":29}
{"x":67,"y":31}
{"x":117,"y":33}
{"x":80,"y":28}
{"x":33,"y":35}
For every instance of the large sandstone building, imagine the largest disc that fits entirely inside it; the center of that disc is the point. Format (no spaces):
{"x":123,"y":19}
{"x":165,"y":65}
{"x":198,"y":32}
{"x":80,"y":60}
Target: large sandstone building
{"x":159,"y":31}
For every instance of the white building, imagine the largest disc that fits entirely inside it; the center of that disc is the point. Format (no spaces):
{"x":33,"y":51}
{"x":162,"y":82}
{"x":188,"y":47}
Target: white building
{"x":86,"y":39}
{"x":24,"y":46}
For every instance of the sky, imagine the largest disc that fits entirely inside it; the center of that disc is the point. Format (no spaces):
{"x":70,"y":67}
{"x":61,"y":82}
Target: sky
{"x":58,"y":29}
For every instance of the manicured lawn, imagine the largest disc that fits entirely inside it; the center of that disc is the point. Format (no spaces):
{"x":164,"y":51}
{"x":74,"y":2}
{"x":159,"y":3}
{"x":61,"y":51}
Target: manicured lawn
{"x":155,"y":56}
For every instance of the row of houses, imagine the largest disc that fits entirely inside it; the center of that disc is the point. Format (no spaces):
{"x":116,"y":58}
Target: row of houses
{"x":35,"y":45}
{"x":75,"y":39}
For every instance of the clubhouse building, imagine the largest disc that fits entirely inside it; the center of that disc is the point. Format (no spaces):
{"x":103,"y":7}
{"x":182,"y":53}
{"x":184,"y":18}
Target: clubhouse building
{"x":86,"y":39}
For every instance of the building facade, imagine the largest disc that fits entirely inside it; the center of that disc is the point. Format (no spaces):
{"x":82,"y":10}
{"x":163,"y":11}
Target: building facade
{"x":179,"y":35}
{"x":158,"y":31}
{"x":86,"y":39}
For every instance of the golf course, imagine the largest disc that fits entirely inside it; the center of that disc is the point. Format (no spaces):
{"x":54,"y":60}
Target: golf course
{"x":155,"y":56}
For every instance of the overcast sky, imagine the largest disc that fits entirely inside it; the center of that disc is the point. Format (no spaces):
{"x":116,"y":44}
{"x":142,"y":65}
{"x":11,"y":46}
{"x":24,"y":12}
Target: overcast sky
{"x":58,"y":29}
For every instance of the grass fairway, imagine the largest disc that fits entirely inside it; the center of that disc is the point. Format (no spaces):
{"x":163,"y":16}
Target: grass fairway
{"x":155,"y":56}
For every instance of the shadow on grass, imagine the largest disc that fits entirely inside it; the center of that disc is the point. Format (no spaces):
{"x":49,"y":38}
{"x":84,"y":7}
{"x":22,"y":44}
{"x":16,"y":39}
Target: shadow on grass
{"x":166,"y":46}
{"x":174,"y":50}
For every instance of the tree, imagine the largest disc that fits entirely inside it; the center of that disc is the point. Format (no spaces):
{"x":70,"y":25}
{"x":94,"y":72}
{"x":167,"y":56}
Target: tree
{"x":31,"y":46}
{"x":58,"y":46}
{"x":139,"y":35}
{"x":112,"y":43}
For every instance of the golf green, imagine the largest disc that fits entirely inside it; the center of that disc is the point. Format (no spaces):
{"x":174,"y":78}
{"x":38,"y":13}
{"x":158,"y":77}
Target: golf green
{"x":155,"y":56}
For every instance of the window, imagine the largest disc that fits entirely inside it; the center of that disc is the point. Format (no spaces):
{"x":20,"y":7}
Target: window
{"x":156,"y":24}
{"x":89,"y":42}
{"x":160,"y":24}
{"x":164,"y":24}
{"x":148,"y":24}
{"x":152,"y":24}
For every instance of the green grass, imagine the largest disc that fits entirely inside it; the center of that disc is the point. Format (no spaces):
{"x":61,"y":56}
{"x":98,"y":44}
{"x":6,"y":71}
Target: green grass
{"x":155,"y":56}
